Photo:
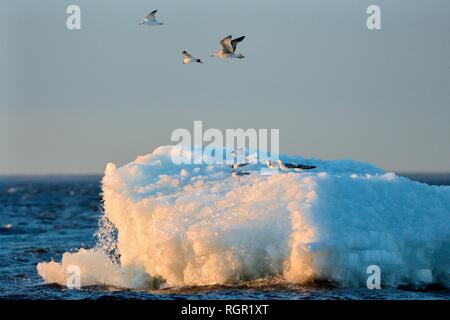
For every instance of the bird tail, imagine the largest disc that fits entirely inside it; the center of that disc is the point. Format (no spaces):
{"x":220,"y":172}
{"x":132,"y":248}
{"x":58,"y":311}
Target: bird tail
{"x":240,"y":56}
{"x":199,"y":61}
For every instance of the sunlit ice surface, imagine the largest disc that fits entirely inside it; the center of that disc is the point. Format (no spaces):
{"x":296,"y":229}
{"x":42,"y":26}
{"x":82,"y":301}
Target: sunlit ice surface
{"x":172,"y":226}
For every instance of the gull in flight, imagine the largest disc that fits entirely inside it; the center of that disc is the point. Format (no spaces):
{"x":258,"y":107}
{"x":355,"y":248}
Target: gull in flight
{"x":188,"y":58}
{"x":150,"y":19}
{"x":229,"y":48}
{"x":293,"y":166}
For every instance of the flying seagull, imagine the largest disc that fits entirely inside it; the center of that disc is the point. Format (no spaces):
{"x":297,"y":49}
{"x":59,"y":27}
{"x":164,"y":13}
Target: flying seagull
{"x":150,"y":19}
{"x":293,"y":166}
{"x":188,"y":58}
{"x":229,"y":48}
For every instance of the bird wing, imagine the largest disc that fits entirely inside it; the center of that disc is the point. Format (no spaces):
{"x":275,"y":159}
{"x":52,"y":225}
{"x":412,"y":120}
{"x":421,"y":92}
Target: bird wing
{"x":187,"y":55}
{"x":151,"y":15}
{"x":298,"y":166}
{"x":235,"y":42}
{"x":305,"y":167}
{"x":226,"y":45}
{"x":240,"y":165}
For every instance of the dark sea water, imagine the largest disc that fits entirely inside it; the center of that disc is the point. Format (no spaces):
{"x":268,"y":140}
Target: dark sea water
{"x":43,"y":217}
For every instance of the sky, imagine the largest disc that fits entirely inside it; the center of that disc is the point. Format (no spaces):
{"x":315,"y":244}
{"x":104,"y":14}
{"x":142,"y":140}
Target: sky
{"x":73,"y":100}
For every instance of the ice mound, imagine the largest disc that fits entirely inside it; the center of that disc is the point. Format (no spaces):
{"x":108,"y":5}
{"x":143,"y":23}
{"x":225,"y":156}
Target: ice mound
{"x":199,"y":225}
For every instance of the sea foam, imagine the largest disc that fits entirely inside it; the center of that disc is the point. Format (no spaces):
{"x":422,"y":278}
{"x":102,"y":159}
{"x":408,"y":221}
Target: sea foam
{"x":198,"y":225}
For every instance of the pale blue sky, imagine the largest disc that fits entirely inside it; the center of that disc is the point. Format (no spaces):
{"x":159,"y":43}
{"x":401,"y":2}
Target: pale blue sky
{"x":71,"y":101}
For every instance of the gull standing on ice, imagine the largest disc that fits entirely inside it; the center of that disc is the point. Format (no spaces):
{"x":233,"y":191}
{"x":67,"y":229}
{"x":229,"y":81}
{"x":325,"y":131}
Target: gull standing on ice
{"x":270,"y":164}
{"x":150,"y":19}
{"x":238,"y":165}
{"x":188,"y":58}
{"x":293,"y":166}
{"x":229,"y":48}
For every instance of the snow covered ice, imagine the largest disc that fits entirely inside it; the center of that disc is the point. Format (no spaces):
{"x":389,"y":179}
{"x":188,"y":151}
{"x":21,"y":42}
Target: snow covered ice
{"x":198,"y":225}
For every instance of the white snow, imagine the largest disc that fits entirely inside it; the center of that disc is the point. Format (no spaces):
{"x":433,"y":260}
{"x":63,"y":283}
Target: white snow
{"x":198,"y":225}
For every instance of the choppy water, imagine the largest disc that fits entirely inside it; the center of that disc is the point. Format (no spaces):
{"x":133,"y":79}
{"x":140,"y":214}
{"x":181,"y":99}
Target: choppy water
{"x":43,"y":217}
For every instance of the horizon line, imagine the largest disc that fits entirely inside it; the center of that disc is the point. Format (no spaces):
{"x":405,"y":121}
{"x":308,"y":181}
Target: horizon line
{"x":400,"y":172}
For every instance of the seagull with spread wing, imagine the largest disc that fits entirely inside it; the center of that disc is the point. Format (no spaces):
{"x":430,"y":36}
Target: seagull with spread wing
{"x":187,"y":58}
{"x":150,"y":19}
{"x":228,"y":50}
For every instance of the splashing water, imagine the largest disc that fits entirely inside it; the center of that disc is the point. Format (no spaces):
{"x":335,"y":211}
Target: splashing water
{"x":106,"y":237}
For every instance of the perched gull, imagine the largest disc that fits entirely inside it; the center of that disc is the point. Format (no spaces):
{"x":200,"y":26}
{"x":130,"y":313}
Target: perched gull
{"x":235,"y":166}
{"x":150,"y":19}
{"x":188,"y":58}
{"x":229,"y":48}
{"x":293,"y":166}
{"x":270,"y":164}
